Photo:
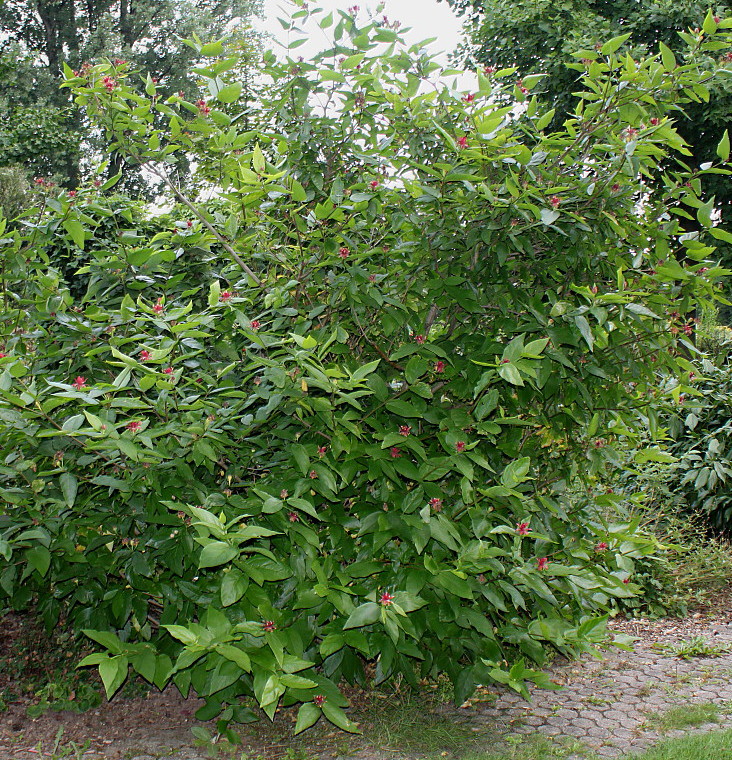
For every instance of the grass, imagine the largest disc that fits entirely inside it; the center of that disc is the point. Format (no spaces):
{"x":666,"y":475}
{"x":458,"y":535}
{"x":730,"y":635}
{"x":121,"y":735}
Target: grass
{"x":409,"y":723}
{"x":713,"y":746}
{"x":696,"y":646}
{"x":687,"y":716}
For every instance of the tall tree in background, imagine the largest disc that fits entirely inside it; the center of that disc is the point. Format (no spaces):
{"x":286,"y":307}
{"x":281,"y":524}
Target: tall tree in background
{"x":543,"y":36}
{"x":39,"y":127}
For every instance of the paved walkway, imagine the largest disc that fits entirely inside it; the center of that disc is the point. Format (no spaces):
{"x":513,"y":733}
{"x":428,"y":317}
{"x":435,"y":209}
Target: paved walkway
{"x":610,"y":705}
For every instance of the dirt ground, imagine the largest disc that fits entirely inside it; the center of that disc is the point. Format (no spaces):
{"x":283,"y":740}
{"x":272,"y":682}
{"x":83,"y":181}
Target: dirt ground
{"x":150,"y":724}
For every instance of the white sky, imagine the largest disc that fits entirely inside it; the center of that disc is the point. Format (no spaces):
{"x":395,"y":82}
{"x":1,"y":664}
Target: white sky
{"x":427,"y":18}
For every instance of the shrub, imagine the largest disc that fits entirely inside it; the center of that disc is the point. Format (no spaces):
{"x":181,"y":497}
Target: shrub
{"x":347,"y":438}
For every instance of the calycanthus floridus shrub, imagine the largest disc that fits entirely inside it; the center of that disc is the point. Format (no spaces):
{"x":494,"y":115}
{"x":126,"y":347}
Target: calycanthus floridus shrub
{"x":345,"y":439}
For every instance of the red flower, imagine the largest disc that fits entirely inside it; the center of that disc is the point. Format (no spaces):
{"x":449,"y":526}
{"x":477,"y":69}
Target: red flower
{"x":158,"y":308}
{"x":436,"y":504}
{"x":505,"y":361}
{"x":626,"y":580}
{"x":372,"y":278}
{"x":419,"y":339}
{"x":343,"y":252}
{"x":322,"y":450}
{"x":72,"y":193}
{"x":522,"y":528}
{"x":602,"y":547}
{"x":313,"y":475}
{"x":682,"y":398}
{"x":79,"y":383}
{"x":386,"y":599}
{"x":2,"y":355}
{"x":168,"y":370}
{"x":405,"y":430}
{"x":462,"y":142}
{"x":615,"y":187}
{"x":542,"y":562}
{"x":144,"y":355}
{"x":630,"y":133}
{"x":109,"y":83}
{"x":654,"y":122}
{"x":133,"y":426}
{"x":395,"y":452}
{"x":460,"y":447}
{"x":269,"y":626}
{"x":555,"y":200}
{"x":293,"y":516}
{"x":469,"y":98}
{"x":255,"y":324}
{"x":489,"y":70}
{"x":225,"y":296}
{"x":318,"y":700}
{"x":374,"y":183}
{"x":688,"y":329}
{"x":440,"y":366}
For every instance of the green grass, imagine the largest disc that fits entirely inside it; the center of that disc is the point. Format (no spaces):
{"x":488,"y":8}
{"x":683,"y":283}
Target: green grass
{"x":713,"y":746}
{"x":687,"y":716}
{"x":534,"y":747}
{"x":410,"y":723}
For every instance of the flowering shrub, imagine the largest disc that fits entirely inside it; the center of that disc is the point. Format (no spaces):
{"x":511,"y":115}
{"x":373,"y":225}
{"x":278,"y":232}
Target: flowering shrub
{"x":347,"y":438}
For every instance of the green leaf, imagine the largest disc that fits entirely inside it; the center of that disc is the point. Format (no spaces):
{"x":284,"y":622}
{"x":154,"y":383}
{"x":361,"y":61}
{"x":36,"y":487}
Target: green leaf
{"x":614,"y":44}
{"x":105,"y":638}
{"x":510,"y":373}
{"x":76,"y":231}
{"x":338,"y":718}
{"x":113,"y":672}
{"x":258,"y":161}
{"x":653,"y":454}
{"x":366,"y":614}
{"x":217,"y":553}
{"x":584,"y":327}
{"x":230,"y":93}
{"x":723,"y":147}
{"x":181,"y":633}
{"x":667,"y":57}
{"x":236,"y":655}
{"x":69,"y":486}
{"x":307,"y":715}
{"x":233,"y":585}
{"x":39,"y":558}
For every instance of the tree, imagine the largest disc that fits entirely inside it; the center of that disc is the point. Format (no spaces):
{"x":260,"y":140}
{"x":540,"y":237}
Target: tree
{"x":39,"y":127}
{"x":541,"y":36}
{"x":330,"y":417}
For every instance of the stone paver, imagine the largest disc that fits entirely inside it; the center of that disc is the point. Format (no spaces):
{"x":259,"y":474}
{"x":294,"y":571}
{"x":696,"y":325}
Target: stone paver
{"x":607,"y":705}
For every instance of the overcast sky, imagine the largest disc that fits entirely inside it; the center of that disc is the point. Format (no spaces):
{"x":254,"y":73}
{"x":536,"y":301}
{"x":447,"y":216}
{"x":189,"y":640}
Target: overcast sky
{"x":427,"y":18}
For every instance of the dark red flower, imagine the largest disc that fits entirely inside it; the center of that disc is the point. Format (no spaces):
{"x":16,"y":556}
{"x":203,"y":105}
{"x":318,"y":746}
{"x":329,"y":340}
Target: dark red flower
{"x":419,"y":339}
{"x":522,"y":528}
{"x":293,"y":516}
{"x":386,"y":599}
{"x":133,"y":426}
{"x":322,"y":450}
{"x":343,"y":252}
{"x":374,"y":183}
{"x":405,"y":430}
{"x":460,"y":447}
{"x":469,"y":98}
{"x":225,"y":296}
{"x":313,"y":475}
{"x":79,"y":383}
{"x":541,"y":563}
{"x":395,"y":452}
{"x":158,"y":308}
{"x":436,"y":504}
{"x":144,"y":355}
{"x":489,"y":70}
{"x":626,"y":580}
{"x":654,"y":121}
{"x":319,"y":700}
{"x":372,"y":278}
{"x":462,"y":142}
{"x":72,"y":193}
{"x":440,"y":366}
{"x":602,"y":547}
{"x":168,"y":370}
{"x":255,"y":324}
{"x":555,"y":200}
{"x":269,"y":626}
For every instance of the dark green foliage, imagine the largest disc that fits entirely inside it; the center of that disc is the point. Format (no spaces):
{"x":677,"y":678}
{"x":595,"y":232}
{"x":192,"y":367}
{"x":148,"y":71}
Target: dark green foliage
{"x":328,"y":419}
